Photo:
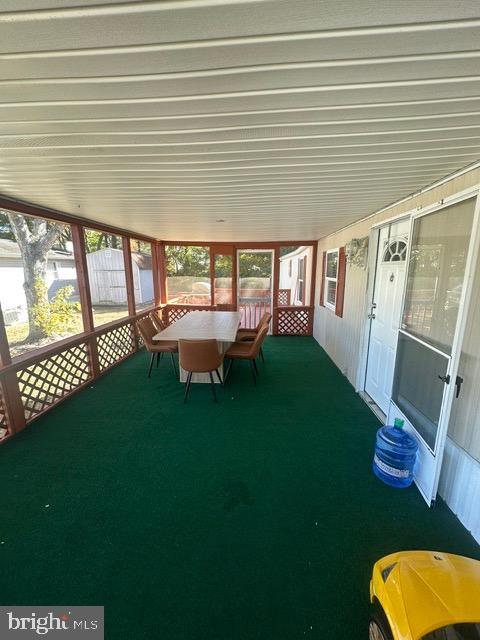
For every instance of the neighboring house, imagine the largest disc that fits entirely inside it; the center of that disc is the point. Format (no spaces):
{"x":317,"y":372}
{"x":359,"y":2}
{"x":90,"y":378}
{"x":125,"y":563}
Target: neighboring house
{"x":60,"y":273}
{"x":295,"y":277}
{"x":106,"y":272}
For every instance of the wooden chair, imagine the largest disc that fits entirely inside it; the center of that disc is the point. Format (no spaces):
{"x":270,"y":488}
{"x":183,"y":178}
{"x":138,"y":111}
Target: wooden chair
{"x":249,"y":335}
{"x":200,"y":356}
{"x":147,"y":330}
{"x":247,"y":351}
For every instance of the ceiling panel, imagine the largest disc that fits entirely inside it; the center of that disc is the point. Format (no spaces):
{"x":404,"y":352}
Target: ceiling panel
{"x":287,"y":120}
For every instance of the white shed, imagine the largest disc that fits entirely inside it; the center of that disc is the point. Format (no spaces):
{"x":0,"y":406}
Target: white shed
{"x":106,"y":273}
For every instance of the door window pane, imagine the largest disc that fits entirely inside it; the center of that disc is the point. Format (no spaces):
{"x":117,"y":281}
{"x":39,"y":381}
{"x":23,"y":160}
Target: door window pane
{"x":188,"y":274}
{"x":417,"y":387}
{"x":38,"y":282}
{"x":106,"y":275}
{"x":435,"y":276}
{"x":223,"y":279}
{"x":142,"y":274}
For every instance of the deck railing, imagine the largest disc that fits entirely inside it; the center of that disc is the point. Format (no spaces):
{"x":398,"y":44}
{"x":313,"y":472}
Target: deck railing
{"x":37,"y":381}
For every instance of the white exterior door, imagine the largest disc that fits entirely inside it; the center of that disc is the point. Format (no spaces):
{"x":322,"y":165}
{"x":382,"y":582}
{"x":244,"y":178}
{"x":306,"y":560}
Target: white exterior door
{"x":386,"y":311}
{"x":443,"y":247}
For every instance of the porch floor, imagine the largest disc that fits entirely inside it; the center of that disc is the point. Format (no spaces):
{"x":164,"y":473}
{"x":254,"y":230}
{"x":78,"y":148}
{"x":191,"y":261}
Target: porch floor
{"x":257,"y":518}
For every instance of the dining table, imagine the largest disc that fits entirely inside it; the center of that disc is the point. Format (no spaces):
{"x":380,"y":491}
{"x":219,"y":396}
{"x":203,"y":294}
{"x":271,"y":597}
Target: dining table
{"x":221,"y":326}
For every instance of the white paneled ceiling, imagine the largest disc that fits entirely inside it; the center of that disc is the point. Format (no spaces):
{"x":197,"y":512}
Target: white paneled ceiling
{"x":286,"y":119}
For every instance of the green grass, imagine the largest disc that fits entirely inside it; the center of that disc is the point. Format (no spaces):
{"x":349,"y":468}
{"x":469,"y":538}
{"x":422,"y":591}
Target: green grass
{"x":257,"y":518}
{"x":17,"y":333}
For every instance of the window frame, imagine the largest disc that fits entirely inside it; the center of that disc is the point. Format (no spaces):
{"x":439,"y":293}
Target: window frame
{"x":328,"y":279}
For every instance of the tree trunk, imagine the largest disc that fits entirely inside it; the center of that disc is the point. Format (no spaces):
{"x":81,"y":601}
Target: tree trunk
{"x":35,"y":238}
{"x":34,"y":269}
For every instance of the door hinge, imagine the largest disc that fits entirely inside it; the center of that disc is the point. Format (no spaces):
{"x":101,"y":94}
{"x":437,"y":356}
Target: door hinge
{"x":445,"y":379}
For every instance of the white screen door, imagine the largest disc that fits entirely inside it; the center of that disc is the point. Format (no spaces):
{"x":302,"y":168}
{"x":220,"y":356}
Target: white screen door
{"x":439,"y":266}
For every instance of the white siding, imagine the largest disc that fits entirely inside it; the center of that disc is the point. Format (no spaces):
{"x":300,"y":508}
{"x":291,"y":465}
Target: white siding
{"x":460,"y":486}
{"x":343,"y":339}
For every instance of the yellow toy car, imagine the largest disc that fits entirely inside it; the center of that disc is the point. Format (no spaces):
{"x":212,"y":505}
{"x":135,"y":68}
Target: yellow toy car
{"x":425,"y":595}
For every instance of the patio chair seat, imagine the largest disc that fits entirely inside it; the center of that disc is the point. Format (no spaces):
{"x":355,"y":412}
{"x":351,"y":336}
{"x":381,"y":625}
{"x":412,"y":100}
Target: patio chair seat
{"x":168,"y":346}
{"x":240,"y":350}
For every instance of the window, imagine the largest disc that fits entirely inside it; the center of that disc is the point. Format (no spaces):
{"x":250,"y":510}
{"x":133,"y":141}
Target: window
{"x":395,"y":251}
{"x":142,"y":274}
{"x":106,"y":275}
{"x":289,"y":268}
{"x":38,"y":282}
{"x":301,"y":279}
{"x":331,"y":277}
{"x":188,"y":274}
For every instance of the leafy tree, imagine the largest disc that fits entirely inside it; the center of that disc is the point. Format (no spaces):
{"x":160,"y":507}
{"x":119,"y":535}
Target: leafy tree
{"x":35,"y":237}
{"x":58,"y":316}
{"x":255,"y":265}
{"x":187,"y":261}
{"x":96,"y":240}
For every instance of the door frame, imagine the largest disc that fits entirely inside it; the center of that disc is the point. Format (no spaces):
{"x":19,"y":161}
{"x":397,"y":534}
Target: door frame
{"x":273,"y":278}
{"x":373,"y":258}
{"x":447,"y":201}
{"x":454,"y":361}
{"x":377,"y":259}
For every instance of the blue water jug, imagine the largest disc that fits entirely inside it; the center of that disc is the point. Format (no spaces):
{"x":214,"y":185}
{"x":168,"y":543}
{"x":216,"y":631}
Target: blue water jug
{"x":395,"y":455}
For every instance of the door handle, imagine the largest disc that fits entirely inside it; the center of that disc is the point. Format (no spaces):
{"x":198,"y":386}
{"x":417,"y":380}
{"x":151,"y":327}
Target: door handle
{"x":458,"y":384}
{"x":445,"y":379}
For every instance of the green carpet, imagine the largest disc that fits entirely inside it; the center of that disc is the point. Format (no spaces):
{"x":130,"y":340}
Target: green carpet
{"x":257,"y":518}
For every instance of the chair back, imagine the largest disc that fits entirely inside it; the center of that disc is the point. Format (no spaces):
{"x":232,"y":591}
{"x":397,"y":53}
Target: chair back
{"x":264,"y":321}
{"x":257,"y":343}
{"x":157,"y":321}
{"x":147,"y":330}
{"x":199,"y":355}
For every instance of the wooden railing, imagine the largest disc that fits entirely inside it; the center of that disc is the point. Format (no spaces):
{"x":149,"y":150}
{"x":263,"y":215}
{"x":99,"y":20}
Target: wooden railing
{"x":35,"y":382}
{"x":293,"y":321}
{"x":284,"y":297}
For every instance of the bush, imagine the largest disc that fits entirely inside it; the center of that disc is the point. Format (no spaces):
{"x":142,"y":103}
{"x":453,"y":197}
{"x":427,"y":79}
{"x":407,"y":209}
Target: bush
{"x":58,"y":316}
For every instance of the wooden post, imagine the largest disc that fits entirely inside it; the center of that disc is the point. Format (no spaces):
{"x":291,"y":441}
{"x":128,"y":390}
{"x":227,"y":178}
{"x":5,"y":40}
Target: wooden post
{"x":234,"y":278}
{"x":157,"y":290}
{"x":9,"y":385}
{"x":212,"y":276}
{"x":80,"y":254}
{"x":162,"y":272}
{"x":127,"y":257}
{"x":276,"y":284}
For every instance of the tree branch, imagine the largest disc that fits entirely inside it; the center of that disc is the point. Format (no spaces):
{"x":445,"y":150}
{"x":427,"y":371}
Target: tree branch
{"x":19,"y":228}
{"x":49,"y":238}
